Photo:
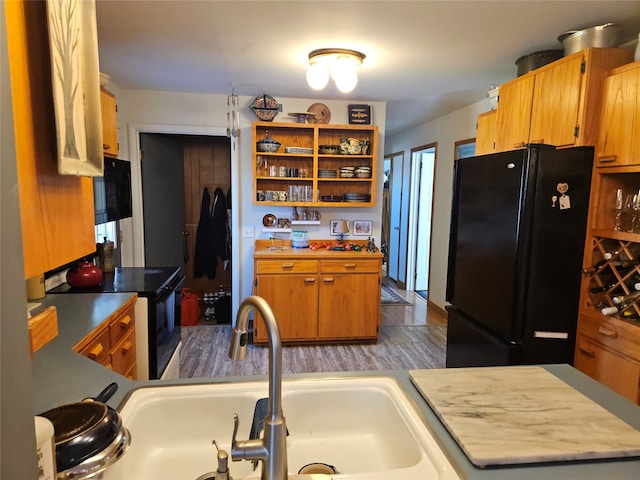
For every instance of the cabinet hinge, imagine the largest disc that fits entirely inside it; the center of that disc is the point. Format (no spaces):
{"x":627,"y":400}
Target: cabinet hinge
{"x":583,"y":67}
{"x":576,"y":131}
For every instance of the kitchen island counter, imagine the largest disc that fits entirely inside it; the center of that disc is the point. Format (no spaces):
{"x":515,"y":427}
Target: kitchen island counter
{"x":62,"y":376}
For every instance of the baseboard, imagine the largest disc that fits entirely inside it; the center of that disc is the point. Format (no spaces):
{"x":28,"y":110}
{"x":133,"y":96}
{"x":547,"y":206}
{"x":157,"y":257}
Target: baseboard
{"x":439,"y":310}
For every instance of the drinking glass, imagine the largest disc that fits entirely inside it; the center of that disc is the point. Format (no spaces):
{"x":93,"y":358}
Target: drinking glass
{"x":619,"y":210}
{"x":627,"y":214}
{"x":635,"y":216}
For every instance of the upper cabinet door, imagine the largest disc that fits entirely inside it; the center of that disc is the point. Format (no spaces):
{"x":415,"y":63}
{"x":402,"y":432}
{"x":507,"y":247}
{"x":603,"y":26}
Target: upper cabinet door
{"x":109,"y":123}
{"x":514,"y":113}
{"x":619,"y":136}
{"x":486,"y":134}
{"x":556,"y":103}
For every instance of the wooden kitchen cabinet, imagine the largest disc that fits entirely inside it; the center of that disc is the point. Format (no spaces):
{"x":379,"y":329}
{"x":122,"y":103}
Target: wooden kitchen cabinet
{"x":113,"y":343}
{"x":619,"y":136}
{"x":486,"y":133}
{"x":109,"y":123}
{"x":608,"y":350}
{"x":349,"y":299}
{"x":608,"y":347}
{"x":292,"y":296}
{"x":56,"y":211}
{"x":514,"y":113}
{"x":318,"y":296}
{"x":299,"y":150}
{"x":557,"y":104}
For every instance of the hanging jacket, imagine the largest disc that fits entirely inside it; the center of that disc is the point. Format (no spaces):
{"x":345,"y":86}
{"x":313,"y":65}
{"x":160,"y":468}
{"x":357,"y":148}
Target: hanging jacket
{"x":219,"y":224}
{"x":204,"y":261}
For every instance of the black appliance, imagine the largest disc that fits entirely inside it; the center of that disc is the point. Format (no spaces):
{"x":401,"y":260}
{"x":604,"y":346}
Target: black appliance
{"x":161,"y":286}
{"x":112,"y":192}
{"x":515,"y":256}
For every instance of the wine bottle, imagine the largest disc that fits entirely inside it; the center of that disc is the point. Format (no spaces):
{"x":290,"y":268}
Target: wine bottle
{"x":622,"y":304}
{"x":604,"y":288}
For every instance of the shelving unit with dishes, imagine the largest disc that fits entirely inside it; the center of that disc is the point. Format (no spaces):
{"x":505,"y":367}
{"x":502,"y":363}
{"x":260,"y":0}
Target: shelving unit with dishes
{"x":301,"y":175}
{"x":608,"y":335}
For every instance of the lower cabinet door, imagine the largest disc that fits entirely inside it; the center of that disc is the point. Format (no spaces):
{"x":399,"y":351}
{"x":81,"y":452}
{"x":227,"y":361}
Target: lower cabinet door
{"x":349,"y":306}
{"x":294,"y":301}
{"x":609,"y":368}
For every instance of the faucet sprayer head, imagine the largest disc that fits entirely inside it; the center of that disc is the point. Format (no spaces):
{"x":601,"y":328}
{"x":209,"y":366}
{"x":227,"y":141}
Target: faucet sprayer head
{"x":238,"y":346}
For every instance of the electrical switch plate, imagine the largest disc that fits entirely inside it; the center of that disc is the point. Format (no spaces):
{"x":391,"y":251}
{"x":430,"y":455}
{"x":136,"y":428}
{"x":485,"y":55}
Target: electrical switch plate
{"x":248,"y":232}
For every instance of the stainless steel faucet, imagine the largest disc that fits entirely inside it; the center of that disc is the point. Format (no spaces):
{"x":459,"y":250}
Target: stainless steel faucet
{"x":271,"y":450}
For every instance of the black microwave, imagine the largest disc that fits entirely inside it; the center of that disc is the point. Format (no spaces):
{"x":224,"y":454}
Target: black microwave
{"x":112,"y":192}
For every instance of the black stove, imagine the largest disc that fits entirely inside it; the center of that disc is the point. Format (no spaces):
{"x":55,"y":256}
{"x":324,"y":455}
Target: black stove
{"x":161,"y":286}
{"x":146,"y":281}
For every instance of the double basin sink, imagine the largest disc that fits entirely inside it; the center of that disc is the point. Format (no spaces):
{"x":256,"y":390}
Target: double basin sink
{"x":366,"y":427}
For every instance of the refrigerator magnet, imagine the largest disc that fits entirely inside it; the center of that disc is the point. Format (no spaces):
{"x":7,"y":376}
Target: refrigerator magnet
{"x":564,"y":200}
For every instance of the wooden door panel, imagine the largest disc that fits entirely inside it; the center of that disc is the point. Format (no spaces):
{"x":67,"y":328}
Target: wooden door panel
{"x":349,"y":306}
{"x":514,"y":113}
{"x":294,"y":301}
{"x":556,"y":103}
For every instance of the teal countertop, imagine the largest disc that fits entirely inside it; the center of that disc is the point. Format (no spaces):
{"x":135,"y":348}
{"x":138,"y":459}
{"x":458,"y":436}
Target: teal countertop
{"x":63,"y":376}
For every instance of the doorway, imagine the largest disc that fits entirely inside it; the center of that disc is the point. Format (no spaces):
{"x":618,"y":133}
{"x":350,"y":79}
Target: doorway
{"x":178,"y":172}
{"x":393,"y":230}
{"x":423,"y":164}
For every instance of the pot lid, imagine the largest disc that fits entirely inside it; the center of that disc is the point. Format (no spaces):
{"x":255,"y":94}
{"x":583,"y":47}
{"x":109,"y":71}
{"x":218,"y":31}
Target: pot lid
{"x":74,"y":419}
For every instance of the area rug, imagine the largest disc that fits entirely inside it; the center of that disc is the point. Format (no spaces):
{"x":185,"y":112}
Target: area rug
{"x":389,"y":296}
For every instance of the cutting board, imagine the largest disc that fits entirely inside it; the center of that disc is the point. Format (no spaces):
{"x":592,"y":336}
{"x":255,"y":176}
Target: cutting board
{"x":522,"y":414}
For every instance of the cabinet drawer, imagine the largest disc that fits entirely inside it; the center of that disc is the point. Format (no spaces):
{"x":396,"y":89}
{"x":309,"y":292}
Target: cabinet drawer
{"x":286,"y":266}
{"x":98,"y":349}
{"x":121,"y":326}
{"x":123,"y":354}
{"x":615,"y":334}
{"x":350,"y":266}
{"x":615,"y":371}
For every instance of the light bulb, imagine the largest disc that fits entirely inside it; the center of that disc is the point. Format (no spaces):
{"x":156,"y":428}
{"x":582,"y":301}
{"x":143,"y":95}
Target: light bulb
{"x":317,"y":76}
{"x":344,"y":73}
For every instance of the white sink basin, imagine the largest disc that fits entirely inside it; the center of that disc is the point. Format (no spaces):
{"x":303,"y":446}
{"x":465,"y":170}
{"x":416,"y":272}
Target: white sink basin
{"x":365,"y":427}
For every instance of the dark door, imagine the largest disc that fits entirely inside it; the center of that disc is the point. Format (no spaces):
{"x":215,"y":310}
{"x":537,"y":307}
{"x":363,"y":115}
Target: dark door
{"x":484,"y":239}
{"x":163,"y":200}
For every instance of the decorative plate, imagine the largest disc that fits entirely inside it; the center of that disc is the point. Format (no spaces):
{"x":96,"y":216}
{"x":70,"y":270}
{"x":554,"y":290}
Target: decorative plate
{"x":302,"y":117}
{"x":266,"y":107}
{"x":322,"y":113}
{"x":269,"y":220}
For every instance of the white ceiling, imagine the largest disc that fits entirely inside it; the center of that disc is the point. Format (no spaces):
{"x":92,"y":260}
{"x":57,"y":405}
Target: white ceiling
{"x":424,"y":58}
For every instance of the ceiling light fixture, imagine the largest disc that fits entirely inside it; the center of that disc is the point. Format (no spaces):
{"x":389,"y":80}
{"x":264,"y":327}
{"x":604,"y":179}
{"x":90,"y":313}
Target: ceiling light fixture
{"x":341,"y":63}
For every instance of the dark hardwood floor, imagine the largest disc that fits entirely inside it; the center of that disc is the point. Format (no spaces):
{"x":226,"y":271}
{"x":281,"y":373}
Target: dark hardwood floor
{"x":411,"y":337}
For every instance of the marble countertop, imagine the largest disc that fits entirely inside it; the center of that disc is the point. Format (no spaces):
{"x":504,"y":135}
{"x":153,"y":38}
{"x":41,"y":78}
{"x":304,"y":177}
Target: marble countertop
{"x":523,"y":414}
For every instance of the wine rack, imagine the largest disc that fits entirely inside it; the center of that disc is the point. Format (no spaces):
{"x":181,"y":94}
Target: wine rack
{"x":617,"y":270}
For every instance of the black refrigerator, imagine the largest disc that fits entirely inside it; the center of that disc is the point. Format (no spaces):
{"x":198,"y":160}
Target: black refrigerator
{"x":516,"y":246}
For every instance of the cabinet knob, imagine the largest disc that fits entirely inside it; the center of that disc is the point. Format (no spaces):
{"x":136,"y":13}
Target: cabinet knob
{"x":540,"y":140}
{"x":588,"y":352}
{"x":518,"y":145}
{"x":125,"y":322}
{"x":287,"y":265}
{"x":607,"y":158}
{"x":106,"y":146}
{"x":328,"y":279}
{"x":127,"y":346}
{"x":607,"y":333}
{"x":309,"y":280}
{"x":95,"y":352}
{"x":349,"y":265}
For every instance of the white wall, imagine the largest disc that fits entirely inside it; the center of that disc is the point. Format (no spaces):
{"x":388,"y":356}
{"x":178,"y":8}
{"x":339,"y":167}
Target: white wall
{"x":446,"y":130}
{"x":206,"y":113}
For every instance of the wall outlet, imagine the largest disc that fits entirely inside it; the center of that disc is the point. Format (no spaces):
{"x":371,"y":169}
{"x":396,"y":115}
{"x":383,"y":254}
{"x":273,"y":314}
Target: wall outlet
{"x":248,"y":232}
